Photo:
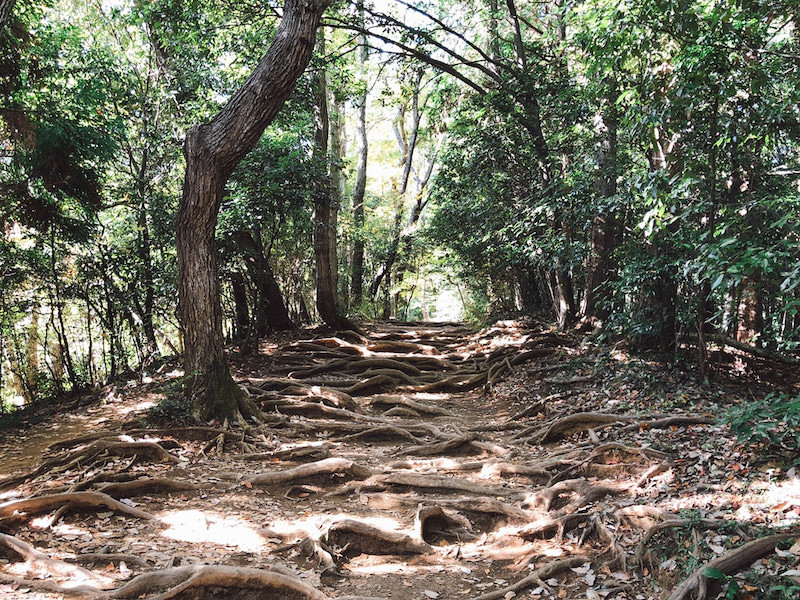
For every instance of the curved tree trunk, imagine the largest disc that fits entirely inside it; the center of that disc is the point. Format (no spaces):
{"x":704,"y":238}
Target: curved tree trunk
{"x":212,"y":151}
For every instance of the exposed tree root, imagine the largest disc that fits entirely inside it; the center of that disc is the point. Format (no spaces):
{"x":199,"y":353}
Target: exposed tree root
{"x":672,"y":523}
{"x":315,"y":551}
{"x":760,"y":352}
{"x":379,"y":383}
{"x":195,"y":433}
{"x":349,"y":538}
{"x":459,"y":445}
{"x":456,"y":383}
{"x":666,"y":422}
{"x":554,"y":527}
{"x":212,"y":581}
{"x":328,"y":466}
{"x":111,"y":558}
{"x":418,"y":429}
{"x":642,"y":516}
{"x":309,"y":452}
{"x":369,"y":364}
{"x":355,"y":366}
{"x":80,"y":440}
{"x":382,"y":433}
{"x":100,"y":447}
{"x":140,"y":487}
{"x":581,"y":491}
{"x":394,"y":374}
{"x":729,"y":563}
{"x":419,"y":407}
{"x":329,"y":396}
{"x":479,"y":506}
{"x":18,"y":510}
{"x":39,"y":565}
{"x":615,"y":448}
{"x":574,"y":423}
{"x":429,"y":363}
{"x":534,"y":578}
{"x":433,"y":525}
{"x":436,"y":482}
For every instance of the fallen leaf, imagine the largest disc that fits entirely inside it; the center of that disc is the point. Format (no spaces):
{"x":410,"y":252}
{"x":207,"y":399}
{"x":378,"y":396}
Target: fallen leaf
{"x":431,"y":594}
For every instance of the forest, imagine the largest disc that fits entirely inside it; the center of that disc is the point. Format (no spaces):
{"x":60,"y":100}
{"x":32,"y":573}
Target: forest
{"x":520,"y":277}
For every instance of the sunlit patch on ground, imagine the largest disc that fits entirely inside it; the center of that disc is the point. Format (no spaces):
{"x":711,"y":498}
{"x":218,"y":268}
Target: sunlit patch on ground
{"x":205,"y":527}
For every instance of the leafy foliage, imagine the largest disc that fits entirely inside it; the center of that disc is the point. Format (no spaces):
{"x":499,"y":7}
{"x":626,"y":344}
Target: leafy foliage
{"x":773,"y":421}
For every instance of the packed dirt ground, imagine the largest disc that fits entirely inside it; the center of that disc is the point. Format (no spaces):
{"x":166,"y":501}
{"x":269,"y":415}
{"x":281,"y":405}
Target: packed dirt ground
{"x":421,"y":461}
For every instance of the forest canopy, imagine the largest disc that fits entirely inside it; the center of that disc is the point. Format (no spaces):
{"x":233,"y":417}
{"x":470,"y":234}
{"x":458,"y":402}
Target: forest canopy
{"x":629,"y":169}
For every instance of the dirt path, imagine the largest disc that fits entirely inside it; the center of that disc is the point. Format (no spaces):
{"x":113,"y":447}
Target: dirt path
{"x":424,"y":461}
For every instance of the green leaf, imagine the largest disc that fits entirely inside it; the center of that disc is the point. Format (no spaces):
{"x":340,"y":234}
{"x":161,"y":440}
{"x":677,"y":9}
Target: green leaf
{"x":713,"y":573}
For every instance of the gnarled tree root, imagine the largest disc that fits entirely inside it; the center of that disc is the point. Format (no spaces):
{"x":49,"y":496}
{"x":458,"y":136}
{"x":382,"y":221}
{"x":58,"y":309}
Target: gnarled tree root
{"x":437,"y":482}
{"x":457,"y":445}
{"x":327,"y":466}
{"x":191,"y":581}
{"x":540,"y":574}
{"x":17,"y":510}
{"x":729,"y":563}
{"x":393,"y":400}
{"x":140,"y":487}
{"x":554,"y":528}
{"x":582,"y":492}
{"x":39,"y":565}
{"x":349,"y":538}
{"x":434,"y":524}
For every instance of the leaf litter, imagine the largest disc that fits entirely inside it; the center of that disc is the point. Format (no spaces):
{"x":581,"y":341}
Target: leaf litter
{"x":545,"y":467}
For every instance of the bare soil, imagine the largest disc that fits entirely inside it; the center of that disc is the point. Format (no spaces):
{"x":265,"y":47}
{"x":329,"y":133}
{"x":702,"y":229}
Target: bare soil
{"x":421,"y":461}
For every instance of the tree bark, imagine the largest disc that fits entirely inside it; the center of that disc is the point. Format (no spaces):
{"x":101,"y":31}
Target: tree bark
{"x":241,"y":329}
{"x":212,"y":151}
{"x":269,"y":310}
{"x":146,"y":265}
{"x":324,"y":216}
{"x":6,"y":8}
{"x":359,"y":191}
{"x":321,"y":216}
{"x":602,"y":240}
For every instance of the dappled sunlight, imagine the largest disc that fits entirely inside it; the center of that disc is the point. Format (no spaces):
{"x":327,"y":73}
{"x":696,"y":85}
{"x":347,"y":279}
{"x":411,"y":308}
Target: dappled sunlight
{"x":11,"y":495}
{"x":778,"y":499}
{"x":430,"y":396}
{"x":367,"y":565}
{"x":315,"y":525}
{"x":138,"y":407}
{"x":468,"y":502}
{"x":206,"y":527}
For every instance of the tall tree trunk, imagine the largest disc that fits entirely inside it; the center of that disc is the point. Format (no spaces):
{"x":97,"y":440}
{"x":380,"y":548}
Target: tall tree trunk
{"x":6,"y":8}
{"x":321,"y":216}
{"x":212,"y":151}
{"x":705,"y":308}
{"x":357,"y":282}
{"x":242,"y":323}
{"x":602,"y":241}
{"x":270,"y":312}
{"x":337,"y":191}
{"x":146,"y":264}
